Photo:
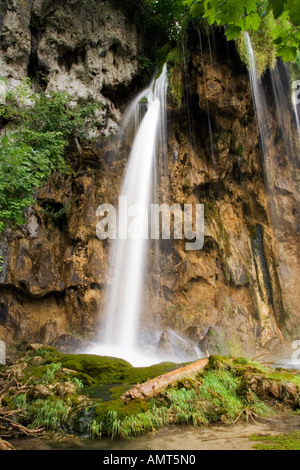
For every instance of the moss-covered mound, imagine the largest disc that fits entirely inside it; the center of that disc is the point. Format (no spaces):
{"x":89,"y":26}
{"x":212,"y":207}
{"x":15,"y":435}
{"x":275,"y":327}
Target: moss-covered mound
{"x":289,"y":441}
{"x":101,"y":368}
{"x":81,"y":394}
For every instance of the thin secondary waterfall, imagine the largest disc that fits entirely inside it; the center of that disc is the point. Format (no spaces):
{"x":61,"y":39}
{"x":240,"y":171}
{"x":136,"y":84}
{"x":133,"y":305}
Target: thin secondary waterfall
{"x":281,"y":85}
{"x":129,"y":253}
{"x":297,"y":114}
{"x":268,"y":156}
{"x":280,"y":161}
{"x":206,"y":99}
{"x":272,"y":160}
{"x":259,"y":101}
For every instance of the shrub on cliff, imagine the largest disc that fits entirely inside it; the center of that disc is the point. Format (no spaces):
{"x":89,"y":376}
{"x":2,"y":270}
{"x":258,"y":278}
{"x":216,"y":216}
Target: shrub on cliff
{"x":38,"y":131}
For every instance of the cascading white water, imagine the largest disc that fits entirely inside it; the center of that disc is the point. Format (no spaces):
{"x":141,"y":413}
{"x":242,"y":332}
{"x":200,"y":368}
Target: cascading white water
{"x":280,"y":162}
{"x":129,"y":256}
{"x":259,"y":98}
{"x":146,"y":171}
{"x":268,"y":153}
{"x":286,"y":113}
{"x":124,"y":306}
{"x":297,"y":114}
{"x":212,"y":149}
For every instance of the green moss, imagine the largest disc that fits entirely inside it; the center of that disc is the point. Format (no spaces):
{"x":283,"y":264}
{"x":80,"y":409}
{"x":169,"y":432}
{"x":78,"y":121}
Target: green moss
{"x":36,"y":373}
{"x":44,"y":352}
{"x":176,"y":79}
{"x":81,"y":376}
{"x":128,"y":378}
{"x":295,"y":68}
{"x":284,"y":376}
{"x":144,"y":100}
{"x":219,"y":363}
{"x":162,"y":56}
{"x":281,"y":442}
{"x":7,"y":402}
{"x":105,"y":392}
{"x":123,"y":410}
{"x":100,"y":368}
{"x":262,"y":43}
{"x":142,"y":374}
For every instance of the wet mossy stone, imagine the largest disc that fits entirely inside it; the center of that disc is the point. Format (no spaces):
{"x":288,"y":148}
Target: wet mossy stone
{"x":84,"y":378}
{"x":102,"y":369}
{"x":219,"y":363}
{"x":129,"y":378}
{"x":123,"y":410}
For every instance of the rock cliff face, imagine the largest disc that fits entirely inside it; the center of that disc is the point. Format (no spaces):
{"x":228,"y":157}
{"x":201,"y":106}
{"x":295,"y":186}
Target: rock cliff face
{"x":230,"y":297}
{"x":88,"y":49}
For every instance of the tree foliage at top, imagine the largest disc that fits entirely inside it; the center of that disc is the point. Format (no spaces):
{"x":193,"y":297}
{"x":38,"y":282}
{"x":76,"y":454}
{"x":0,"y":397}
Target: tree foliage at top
{"x":247,"y":15}
{"x":171,"y":16}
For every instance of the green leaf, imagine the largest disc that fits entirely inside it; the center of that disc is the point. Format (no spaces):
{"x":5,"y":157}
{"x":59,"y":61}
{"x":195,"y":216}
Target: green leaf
{"x":252,"y":22}
{"x":197,"y":9}
{"x":287,"y":53}
{"x":278,"y":7}
{"x":233,"y":32}
{"x":294,"y":10}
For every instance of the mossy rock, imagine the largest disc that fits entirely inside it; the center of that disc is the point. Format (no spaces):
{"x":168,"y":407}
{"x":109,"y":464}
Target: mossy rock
{"x":219,"y":363}
{"x":123,"y":410}
{"x":45,"y":351}
{"x":104,"y":392}
{"x":102,"y":369}
{"x":7,"y":403}
{"x":86,"y":379}
{"x":281,"y":442}
{"x":36,"y":372}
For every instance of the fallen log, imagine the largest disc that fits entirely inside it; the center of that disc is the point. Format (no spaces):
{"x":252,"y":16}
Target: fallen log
{"x":154,"y":387}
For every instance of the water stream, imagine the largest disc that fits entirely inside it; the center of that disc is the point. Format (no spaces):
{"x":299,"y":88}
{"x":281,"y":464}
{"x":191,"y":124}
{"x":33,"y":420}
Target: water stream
{"x":147,"y":166}
{"x":120,"y":335}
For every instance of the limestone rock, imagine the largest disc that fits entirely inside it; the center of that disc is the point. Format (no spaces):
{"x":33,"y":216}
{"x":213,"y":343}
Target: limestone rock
{"x":172,"y":344}
{"x":34,"y":346}
{"x":64,"y":389}
{"x":40,"y":391}
{"x":68,"y":344}
{"x":37,"y":361}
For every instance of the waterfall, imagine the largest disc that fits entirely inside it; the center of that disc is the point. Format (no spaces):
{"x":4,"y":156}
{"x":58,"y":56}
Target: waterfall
{"x":211,"y":139}
{"x":120,"y":336}
{"x":280,"y":163}
{"x":297,"y":114}
{"x":286,"y":114}
{"x":144,"y":183}
{"x":288,"y":156}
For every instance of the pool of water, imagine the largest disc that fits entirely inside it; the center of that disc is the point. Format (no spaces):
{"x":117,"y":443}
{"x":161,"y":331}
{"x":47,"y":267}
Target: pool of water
{"x":176,"y":438}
